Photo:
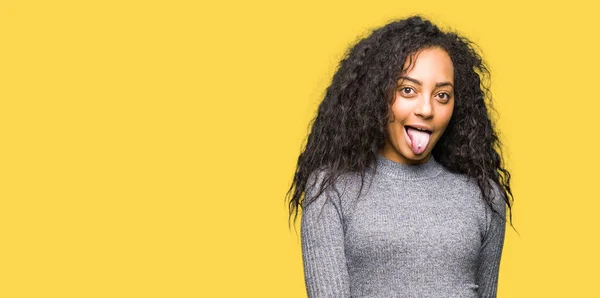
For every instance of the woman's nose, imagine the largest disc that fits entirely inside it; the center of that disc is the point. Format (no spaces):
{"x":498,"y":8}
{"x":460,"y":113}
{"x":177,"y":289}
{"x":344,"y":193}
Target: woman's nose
{"x":424,"y":108}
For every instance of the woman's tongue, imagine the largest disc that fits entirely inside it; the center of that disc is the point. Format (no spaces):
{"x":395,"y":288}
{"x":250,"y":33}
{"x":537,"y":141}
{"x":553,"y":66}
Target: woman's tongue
{"x":419,"y":139}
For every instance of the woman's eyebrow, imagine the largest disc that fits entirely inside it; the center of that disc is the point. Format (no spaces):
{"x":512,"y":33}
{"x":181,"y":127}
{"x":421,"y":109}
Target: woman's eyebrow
{"x":421,"y":84}
{"x":444,"y":84}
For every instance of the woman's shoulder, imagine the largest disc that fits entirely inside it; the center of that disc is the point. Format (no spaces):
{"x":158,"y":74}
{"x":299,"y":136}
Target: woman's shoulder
{"x":325,"y":175}
{"x":471,"y":185}
{"x":457,"y":180}
{"x":342,"y":187}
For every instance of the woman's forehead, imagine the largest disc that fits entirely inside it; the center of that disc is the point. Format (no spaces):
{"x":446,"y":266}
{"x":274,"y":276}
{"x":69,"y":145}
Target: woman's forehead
{"x":429,"y":65}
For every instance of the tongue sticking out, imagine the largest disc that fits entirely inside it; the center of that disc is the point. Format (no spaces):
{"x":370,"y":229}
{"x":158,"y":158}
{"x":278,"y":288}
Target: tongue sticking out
{"x":419,"y":139}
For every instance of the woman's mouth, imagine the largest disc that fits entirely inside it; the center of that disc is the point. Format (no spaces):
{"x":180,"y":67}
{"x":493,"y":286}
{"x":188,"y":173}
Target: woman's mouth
{"x":417,"y":138}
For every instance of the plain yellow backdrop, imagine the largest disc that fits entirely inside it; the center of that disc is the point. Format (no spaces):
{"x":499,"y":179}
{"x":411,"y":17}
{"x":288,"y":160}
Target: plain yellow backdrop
{"x":147,"y":146}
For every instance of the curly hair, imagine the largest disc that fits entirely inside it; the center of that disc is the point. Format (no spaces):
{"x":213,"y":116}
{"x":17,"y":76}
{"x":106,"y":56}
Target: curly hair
{"x":351,"y":124}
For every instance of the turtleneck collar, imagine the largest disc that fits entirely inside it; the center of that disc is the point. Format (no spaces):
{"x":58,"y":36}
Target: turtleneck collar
{"x":426,"y":170}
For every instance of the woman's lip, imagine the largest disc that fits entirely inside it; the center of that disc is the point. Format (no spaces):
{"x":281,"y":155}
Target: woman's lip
{"x":419,"y":126}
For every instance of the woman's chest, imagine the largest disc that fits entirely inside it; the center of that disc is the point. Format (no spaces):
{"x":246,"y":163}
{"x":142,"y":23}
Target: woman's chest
{"x":439,"y":229}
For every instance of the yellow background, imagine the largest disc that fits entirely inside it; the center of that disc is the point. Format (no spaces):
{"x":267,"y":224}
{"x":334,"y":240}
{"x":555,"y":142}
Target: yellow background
{"x":146,"y":146}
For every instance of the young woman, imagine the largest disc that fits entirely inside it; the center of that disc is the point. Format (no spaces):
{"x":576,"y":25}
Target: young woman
{"x":401,"y":183}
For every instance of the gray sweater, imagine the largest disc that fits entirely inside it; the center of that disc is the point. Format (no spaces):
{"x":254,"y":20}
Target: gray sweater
{"x":415,"y":231}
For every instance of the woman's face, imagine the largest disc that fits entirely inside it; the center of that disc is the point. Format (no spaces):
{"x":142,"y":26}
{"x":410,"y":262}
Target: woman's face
{"x":422,"y":107}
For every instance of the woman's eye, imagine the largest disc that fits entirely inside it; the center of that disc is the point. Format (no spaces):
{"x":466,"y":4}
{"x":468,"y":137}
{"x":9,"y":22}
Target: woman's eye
{"x":444,"y":96}
{"x":406,"y":90}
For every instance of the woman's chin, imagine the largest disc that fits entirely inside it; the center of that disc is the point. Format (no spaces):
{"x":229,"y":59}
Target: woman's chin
{"x":406,"y":156}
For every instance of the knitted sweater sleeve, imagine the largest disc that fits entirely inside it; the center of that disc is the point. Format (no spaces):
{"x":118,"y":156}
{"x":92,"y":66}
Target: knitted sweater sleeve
{"x":322,"y":233}
{"x":491,"y":250}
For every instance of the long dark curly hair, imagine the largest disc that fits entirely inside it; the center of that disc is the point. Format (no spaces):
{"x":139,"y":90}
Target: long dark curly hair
{"x":351,"y":124}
